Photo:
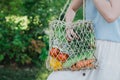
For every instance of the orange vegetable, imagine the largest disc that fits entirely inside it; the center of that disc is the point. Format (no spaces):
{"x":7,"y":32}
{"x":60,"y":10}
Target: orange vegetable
{"x":54,"y":52}
{"x":90,"y":66}
{"x":62,"y":57}
{"x":74,"y":67}
{"x":83,"y":64}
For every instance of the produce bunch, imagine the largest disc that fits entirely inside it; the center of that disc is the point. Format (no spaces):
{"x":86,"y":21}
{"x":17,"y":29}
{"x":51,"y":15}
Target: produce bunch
{"x":57,"y":58}
{"x":75,"y":55}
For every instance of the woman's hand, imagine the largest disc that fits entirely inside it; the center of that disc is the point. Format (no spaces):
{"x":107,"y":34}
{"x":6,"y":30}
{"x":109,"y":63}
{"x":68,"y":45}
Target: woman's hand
{"x":70,"y":34}
{"x":69,"y":16}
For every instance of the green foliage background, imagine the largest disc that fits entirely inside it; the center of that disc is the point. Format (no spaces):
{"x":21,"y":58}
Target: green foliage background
{"x":24,"y":29}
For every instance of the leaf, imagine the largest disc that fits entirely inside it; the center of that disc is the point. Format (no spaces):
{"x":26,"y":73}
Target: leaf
{"x":43,"y":54}
{"x":1,"y":57}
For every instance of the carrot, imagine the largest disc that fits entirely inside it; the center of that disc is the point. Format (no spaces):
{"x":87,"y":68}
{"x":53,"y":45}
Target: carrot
{"x":86,"y":62}
{"x":71,"y":61}
{"x":80,"y":64}
{"x":73,"y":68}
{"x":90,"y":66}
{"x":83,"y":64}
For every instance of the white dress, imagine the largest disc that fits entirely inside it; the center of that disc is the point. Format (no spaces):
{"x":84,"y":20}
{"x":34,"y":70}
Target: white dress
{"x":108,"y":55}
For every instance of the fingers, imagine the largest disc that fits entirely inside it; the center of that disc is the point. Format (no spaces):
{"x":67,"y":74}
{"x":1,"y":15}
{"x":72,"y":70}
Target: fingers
{"x":70,"y":35}
{"x":74,"y":34}
{"x":68,"y":39}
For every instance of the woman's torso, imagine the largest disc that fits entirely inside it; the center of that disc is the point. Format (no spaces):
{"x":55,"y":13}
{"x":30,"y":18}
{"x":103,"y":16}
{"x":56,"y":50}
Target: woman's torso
{"x":103,"y":29}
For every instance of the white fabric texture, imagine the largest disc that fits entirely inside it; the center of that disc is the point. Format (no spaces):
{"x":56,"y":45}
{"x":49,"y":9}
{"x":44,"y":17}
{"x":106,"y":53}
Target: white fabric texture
{"x":108,"y":55}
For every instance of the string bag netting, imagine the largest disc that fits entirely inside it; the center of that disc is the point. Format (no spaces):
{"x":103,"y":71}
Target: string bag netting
{"x":75,"y":55}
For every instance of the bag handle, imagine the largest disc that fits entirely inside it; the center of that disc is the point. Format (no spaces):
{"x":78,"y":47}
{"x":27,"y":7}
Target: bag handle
{"x":66,"y":6}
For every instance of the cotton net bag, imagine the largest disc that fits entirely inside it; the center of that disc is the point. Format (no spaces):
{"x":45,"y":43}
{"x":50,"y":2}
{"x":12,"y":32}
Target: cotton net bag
{"x":75,"y":55}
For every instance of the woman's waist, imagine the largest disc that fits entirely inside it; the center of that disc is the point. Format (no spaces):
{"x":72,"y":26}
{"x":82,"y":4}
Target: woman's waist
{"x":109,"y":37}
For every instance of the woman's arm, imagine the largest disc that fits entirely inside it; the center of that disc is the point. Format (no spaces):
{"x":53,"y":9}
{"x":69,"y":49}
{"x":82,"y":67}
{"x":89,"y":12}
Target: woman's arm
{"x":69,"y":16}
{"x":71,"y":11}
{"x":109,"y":10}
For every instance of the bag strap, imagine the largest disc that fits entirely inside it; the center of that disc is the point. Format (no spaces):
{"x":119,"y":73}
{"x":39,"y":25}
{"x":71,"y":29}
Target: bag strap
{"x":66,"y":6}
{"x":84,"y":7}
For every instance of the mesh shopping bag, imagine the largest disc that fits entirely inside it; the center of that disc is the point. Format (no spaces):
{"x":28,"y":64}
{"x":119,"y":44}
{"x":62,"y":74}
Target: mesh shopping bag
{"x":75,"y":55}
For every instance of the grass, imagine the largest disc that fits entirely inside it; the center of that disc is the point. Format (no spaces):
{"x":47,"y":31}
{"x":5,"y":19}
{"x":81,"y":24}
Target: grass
{"x":42,"y":74}
{"x":8,"y":73}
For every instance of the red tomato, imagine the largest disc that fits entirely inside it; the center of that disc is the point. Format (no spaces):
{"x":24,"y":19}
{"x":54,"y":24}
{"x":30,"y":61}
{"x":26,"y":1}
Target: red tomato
{"x":62,"y":57}
{"x":54,"y":52}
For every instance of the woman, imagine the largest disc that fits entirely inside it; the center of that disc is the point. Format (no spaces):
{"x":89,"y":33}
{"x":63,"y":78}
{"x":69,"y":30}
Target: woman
{"x":105,"y":16}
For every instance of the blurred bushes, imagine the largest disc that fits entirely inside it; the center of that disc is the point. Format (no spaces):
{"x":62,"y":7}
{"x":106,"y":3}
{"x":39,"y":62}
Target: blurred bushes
{"x":24,"y":29}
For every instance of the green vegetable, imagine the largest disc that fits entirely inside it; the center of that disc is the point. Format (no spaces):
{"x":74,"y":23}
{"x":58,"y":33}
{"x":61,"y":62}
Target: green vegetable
{"x":77,"y":58}
{"x":77,"y":48}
